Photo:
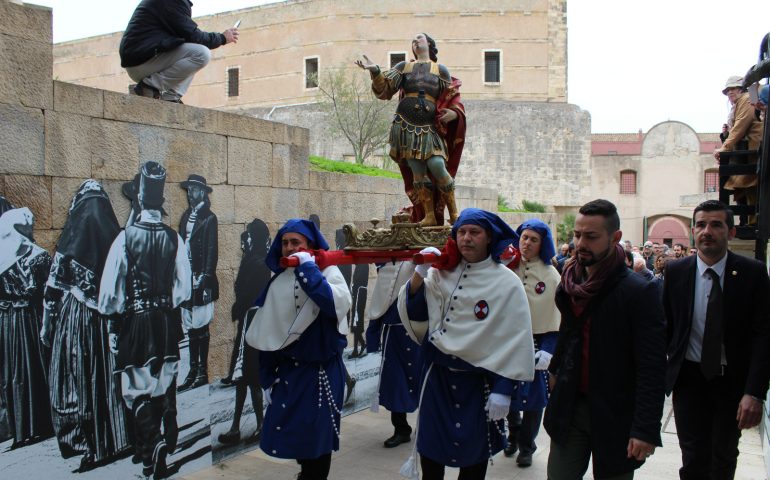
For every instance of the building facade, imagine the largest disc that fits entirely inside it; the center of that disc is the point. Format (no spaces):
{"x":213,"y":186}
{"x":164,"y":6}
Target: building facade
{"x":655,"y":179}
{"x":509,"y":50}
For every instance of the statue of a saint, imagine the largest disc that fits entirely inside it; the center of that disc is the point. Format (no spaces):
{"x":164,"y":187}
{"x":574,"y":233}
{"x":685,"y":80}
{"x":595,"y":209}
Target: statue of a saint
{"x":428,"y":131}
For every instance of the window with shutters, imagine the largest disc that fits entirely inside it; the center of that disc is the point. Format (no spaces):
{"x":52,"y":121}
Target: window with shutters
{"x":233,"y":79}
{"x":396,"y":57}
{"x":628,"y":182}
{"x":493,"y":60}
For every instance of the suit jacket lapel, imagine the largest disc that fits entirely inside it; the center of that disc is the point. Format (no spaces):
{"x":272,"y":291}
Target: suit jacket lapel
{"x":689,"y":289}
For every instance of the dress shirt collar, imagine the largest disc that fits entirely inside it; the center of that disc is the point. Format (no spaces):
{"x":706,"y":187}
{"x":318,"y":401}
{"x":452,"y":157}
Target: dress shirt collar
{"x":718,"y":267}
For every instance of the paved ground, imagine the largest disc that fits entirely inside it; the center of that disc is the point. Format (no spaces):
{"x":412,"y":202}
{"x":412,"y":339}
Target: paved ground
{"x":363,"y":457}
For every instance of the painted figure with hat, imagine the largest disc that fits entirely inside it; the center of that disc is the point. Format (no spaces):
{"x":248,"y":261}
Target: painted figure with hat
{"x":300,"y":330}
{"x":199,"y":230}
{"x":146,"y":278}
{"x":472,"y":320}
{"x":540,"y":280}
{"x":745,"y":133}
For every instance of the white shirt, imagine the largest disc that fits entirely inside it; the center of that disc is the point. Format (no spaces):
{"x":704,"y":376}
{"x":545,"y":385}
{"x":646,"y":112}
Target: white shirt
{"x":700,"y":303}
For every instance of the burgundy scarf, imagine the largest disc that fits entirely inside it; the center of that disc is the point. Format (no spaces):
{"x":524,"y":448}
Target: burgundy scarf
{"x":581,"y":289}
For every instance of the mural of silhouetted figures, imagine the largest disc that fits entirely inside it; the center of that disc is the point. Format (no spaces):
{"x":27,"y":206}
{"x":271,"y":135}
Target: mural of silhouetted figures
{"x":23,"y":360}
{"x":253,"y":277}
{"x":5,"y":431}
{"x":198,"y":229}
{"x":86,"y":403}
{"x":146,"y":276}
{"x":359,"y":292}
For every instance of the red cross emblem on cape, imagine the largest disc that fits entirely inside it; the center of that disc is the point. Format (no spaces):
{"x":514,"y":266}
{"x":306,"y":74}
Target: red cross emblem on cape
{"x":481,"y":310}
{"x":540,"y":288}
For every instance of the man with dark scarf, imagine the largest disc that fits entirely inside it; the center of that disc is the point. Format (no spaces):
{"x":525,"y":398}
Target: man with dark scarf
{"x":199,"y":230}
{"x":146,"y":277}
{"x":88,"y":417}
{"x":608,"y":370}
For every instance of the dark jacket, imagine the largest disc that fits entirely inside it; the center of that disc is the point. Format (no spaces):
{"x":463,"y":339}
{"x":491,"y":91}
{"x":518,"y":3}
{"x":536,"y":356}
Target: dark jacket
{"x":627,"y":370}
{"x":746,"y":321}
{"x":159,"y":26}
{"x":204,"y":253}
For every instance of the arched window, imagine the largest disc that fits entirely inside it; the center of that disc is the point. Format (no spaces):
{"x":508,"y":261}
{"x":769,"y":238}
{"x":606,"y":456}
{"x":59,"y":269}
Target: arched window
{"x":628,"y":182}
{"x":711,"y":180}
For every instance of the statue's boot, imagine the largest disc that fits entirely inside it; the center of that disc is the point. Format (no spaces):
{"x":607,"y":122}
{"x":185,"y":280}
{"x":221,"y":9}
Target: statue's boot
{"x":448,"y":194}
{"x":426,"y":199}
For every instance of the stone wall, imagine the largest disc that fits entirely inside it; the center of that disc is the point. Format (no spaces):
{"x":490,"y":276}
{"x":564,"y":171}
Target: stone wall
{"x":54,"y":135}
{"x":524,"y":150}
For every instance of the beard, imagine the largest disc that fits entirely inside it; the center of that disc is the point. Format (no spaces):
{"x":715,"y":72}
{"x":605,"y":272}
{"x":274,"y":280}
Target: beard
{"x":593,"y":259}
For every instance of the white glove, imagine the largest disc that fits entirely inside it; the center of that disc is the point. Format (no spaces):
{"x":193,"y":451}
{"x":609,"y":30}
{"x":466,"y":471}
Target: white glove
{"x":542,"y":360}
{"x":303,"y":257}
{"x":113,"y":339}
{"x":266,"y":396}
{"x":422,"y":270}
{"x":498,"y":406}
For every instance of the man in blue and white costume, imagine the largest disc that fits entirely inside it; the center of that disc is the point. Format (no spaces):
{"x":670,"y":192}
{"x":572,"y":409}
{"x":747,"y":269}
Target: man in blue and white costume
{"x":472,"y":321}
{"x":299,"y":330}
{"x":401,"y":364}
{"x":540,"y":280}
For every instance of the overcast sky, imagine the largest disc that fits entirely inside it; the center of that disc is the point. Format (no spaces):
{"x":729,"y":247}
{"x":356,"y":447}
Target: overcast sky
{"x":631,"y":64}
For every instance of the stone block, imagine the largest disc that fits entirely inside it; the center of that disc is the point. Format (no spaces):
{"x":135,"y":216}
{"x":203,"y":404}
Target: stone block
{"x":47,"y":239}
{"x":71,"y":98}
{"x":33,"y":192}
{"x":249,"y":162}
{"x":175,"y":204}
{"x":310,"y":203}
{"x":120,"y":204}
{"x":285,"y":205}
{"x":67,"y":145}
{"x":62,"y":191}
{"x":281,"y":165}
{"x":114,"y":150}
{"x":243,"y":126}
{"x":119,"y":148}
{"x":22,"y":140}
{"x":230,"y":246}
{"x":253,"y":202}
{"x":223,"y":203}
{"x":298,"y":136}
{"x":26,"y":72}
{"x":146,"y":111}
{"x":300,"y":166}
{"x":30,"y":22}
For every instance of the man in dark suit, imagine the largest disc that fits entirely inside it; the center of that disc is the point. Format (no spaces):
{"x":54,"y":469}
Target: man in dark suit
{"x":717,"y":305}
{"x":198,"y":229}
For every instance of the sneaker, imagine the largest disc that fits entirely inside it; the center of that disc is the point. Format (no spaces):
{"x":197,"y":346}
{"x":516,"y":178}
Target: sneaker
{"x":144,"y":90}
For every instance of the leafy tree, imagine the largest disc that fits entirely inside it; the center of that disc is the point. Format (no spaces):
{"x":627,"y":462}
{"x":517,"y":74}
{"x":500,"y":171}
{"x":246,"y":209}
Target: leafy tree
{"x":565,"y":229}
{"x":357,"y":114}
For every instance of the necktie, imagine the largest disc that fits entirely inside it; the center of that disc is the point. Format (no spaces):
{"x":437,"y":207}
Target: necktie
{"x":711,"y":350}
